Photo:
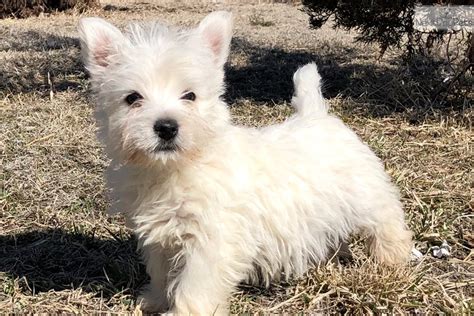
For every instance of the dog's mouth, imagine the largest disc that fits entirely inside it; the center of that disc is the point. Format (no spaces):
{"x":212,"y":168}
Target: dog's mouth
{"x":166,"y":147}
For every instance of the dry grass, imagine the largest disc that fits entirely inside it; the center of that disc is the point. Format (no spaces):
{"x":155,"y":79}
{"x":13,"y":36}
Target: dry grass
{"x":23,"y":9}
{"x":59,"y":252}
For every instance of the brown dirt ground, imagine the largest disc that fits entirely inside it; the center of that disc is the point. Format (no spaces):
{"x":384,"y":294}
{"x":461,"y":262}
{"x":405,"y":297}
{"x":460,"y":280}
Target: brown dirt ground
{"x":60,"y":252}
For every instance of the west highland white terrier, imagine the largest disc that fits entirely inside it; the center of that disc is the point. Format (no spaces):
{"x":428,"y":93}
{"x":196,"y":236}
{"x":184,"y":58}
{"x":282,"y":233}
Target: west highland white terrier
{"x":214,"y":204}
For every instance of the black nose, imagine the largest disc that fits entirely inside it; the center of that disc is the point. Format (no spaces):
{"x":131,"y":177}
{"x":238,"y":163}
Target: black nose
{"x":166,"y":129}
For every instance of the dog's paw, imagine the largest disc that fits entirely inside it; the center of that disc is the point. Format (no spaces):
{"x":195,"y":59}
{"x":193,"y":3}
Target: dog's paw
{"x":150,"y":302}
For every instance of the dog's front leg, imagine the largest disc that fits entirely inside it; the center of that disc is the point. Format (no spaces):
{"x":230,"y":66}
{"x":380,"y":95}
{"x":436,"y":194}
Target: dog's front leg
{"x":210,"y":274}
{"x":154,"y":296}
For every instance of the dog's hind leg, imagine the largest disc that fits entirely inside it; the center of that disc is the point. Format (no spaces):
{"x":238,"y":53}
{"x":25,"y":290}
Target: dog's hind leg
{"x":390,"y":241}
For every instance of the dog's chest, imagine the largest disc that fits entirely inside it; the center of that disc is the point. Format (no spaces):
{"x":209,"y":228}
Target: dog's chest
{"x":177,"y":210}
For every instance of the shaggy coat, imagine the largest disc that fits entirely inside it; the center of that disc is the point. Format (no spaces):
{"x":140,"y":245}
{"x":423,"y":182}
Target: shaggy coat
{"x":226,"y":203}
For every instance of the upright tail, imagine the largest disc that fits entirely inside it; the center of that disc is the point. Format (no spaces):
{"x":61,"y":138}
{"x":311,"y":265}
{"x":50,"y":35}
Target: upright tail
{"x":308,"y":99}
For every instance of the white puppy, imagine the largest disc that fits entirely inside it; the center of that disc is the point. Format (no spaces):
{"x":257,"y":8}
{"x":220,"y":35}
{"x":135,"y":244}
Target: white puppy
{"x":214,"y":204}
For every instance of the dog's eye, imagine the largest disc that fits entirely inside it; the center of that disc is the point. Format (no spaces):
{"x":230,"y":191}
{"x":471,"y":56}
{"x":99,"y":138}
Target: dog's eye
{"x":189,"y":96}
{"x":133,"y":97}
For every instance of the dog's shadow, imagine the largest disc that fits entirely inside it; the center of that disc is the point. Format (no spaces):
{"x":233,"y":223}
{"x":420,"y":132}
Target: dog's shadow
{"x":58,"y":260}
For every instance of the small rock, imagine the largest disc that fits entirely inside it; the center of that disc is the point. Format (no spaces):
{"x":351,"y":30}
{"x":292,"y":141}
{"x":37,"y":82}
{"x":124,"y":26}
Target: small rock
{"x":416,"y":254}
{"x":442,"y":251}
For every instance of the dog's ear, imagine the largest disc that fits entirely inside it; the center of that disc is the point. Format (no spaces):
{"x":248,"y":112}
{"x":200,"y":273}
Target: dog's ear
{"x":99,"y":43}
{"x":216,"y":31}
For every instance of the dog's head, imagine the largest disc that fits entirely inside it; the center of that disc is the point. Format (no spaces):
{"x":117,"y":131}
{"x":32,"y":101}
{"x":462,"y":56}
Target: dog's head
{"x":158,"y":87}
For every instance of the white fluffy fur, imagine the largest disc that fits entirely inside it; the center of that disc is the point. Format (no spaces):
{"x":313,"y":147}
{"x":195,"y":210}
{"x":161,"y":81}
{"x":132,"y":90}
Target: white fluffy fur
{"x":230,"y":204}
